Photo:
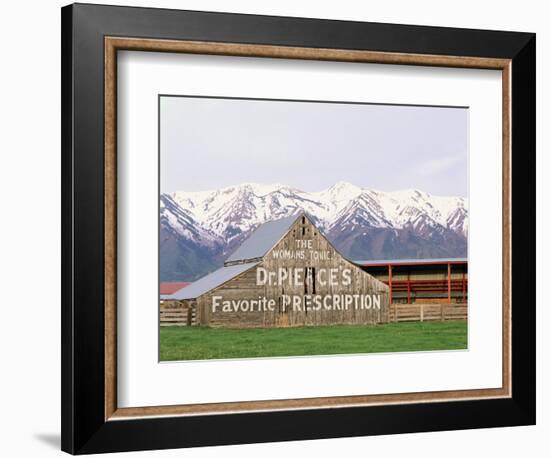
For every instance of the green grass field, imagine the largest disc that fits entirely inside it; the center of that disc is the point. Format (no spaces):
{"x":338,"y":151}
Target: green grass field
{"x":191,"y":343}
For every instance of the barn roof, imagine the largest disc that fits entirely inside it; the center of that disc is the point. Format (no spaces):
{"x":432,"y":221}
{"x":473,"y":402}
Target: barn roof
{"x":263,"y":238}
{"x":411,"y":262}
{"x":210,"y":281}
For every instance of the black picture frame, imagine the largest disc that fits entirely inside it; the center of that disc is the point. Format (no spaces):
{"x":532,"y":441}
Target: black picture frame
{"x":84,"y":428}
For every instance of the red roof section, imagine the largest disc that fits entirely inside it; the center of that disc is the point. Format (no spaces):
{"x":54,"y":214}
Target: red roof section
{"x":170,"y":287}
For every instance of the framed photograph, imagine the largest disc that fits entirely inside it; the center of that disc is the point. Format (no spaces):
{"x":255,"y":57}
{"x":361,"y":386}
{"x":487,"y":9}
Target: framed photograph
{"x":281,"y":228}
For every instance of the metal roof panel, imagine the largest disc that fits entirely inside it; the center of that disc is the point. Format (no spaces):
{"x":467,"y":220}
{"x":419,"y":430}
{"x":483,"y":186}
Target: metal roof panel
{"x":210,"y":281}
{"x":263,"y":238}
{"x":384,"y":262}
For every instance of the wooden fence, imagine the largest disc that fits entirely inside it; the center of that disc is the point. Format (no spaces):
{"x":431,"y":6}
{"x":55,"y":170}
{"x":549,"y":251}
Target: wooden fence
{"x":180,"y":316}
{"x":428,"y":312}
{"x":186,"y":316}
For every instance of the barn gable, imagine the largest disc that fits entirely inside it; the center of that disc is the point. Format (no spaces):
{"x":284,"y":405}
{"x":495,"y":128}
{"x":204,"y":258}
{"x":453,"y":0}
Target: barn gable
{"x":302,"y":227}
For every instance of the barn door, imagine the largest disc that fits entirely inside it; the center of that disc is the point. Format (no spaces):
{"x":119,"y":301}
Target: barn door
{"x":281,"y":316}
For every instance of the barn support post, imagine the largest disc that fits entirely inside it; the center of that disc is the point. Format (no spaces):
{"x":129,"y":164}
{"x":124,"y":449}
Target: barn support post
{"x":390,"y":283}
{"x":449,"y":282}
{"x":408,"y":285}
{"x":464,"y":286}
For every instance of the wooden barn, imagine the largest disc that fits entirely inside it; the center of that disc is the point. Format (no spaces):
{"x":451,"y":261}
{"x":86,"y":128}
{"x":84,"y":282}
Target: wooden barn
{"x":286,"y":274}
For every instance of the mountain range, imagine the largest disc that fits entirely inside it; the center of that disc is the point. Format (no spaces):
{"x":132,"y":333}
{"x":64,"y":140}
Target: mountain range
{"x":198,"y":230}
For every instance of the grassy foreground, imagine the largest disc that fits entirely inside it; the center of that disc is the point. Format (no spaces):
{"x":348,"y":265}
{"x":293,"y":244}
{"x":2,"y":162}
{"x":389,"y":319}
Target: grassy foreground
{"x":188,"y":343}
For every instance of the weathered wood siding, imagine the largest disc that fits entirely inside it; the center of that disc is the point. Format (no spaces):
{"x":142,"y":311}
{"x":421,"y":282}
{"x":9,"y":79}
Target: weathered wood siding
{"x":318,"y":260}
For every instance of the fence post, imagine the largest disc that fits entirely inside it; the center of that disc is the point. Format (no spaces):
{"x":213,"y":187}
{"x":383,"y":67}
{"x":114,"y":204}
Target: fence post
{"x":421,"y":312}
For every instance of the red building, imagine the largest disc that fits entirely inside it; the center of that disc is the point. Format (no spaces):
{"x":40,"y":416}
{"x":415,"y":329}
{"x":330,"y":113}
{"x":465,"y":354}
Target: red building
{"x":422,"y":280}
{"x":170,"y":287}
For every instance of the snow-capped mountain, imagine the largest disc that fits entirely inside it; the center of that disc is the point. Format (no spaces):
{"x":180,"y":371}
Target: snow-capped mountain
{"x":362,"y":223}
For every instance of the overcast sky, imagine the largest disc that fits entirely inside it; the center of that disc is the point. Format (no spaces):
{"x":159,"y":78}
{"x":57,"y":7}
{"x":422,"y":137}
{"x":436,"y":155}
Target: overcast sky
{"x":213,"y":143}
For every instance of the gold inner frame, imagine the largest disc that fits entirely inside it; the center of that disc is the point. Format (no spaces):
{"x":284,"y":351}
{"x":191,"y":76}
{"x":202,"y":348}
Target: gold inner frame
{"x":114,"y":44}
